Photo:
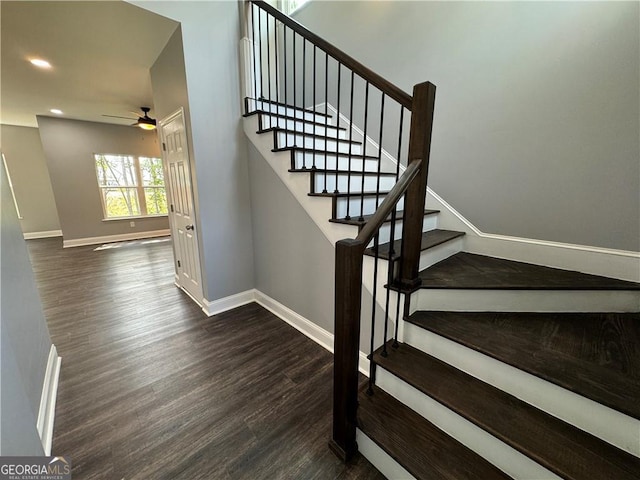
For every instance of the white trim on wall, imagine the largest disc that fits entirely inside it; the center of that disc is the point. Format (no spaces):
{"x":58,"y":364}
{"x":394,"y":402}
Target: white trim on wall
{"x":47,"y":411}
{"x":221,"y":305}
{"x":622,"y":264}
{"x":305,"y":326}
{"x":44,"y":234}
{"x":79,"y":242}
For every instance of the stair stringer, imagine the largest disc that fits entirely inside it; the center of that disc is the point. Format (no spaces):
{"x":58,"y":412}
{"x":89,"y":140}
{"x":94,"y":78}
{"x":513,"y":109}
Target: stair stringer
{"x":319,"y":210}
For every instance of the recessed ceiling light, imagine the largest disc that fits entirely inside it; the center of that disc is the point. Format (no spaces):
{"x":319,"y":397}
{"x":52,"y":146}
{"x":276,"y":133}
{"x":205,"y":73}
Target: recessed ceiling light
{"x":56,"y":111}
{"x":38,"y":62}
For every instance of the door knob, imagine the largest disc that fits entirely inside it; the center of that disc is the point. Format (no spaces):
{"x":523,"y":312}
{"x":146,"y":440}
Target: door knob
{"x":189,"y":227}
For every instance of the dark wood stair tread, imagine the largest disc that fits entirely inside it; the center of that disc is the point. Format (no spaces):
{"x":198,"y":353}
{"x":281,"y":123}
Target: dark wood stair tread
{"x":596,"y":355}
{"x":554,"y":444}
{"x":365,"y":218}
{"x":279,"y":104}
{"x":381,"y":194}
{"x":296,"y":119}
{"x":430,"y":239}
{"x":288,"y":131}
{"x":471,"y":271}
{"x":341,"y":172}
{"x":329,"y":153}
{"x":425,"y":451}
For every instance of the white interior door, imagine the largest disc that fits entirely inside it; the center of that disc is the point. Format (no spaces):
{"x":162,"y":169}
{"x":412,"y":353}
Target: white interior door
{"x":175,"y":155}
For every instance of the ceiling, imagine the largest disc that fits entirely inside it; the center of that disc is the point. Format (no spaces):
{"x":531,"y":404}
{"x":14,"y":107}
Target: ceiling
{"x":100,"y":52}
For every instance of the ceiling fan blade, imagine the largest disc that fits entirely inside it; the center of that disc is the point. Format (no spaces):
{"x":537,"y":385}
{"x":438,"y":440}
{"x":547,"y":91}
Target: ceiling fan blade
{"x":118,"y":116}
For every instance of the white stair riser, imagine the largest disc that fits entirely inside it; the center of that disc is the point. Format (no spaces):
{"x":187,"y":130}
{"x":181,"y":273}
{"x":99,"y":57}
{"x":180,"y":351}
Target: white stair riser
{"x":289,"y":139}
{"x":609,"y":425}
{"x":355,"y":206}
{"x":268,"y":121}
{"x":380,"y":459}
{"x":440,"y":252}
{"x":302,"y":159}
{"x":480,"y":300}
{"x":430,"y":222}
{"x":475,"y":438}
{"x":355,"y":184}
{"x":282,"y":110}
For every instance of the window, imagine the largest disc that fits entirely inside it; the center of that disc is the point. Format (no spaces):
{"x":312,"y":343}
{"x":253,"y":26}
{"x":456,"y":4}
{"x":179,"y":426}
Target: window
{"x":131,"y":186}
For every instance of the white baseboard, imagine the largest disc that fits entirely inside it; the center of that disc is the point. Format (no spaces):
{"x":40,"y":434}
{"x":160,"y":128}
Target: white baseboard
{"x":621,"y":264}
{"x":305,"y":326}
{"x":80,"y":242}
{"x":227,"y":303}
{"x":47,"y":411}
{"x":44,"y":234}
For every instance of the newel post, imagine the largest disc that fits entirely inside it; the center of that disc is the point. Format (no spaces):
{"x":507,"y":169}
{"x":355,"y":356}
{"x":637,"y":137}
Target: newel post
{"x":348,"y":293}
{"x":424,"y":95}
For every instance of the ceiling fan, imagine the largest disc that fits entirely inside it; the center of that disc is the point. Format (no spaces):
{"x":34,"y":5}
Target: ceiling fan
{"x":145,"y":121}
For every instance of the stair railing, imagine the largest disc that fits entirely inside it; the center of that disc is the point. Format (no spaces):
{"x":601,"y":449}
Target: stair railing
{"x":293,"y":67}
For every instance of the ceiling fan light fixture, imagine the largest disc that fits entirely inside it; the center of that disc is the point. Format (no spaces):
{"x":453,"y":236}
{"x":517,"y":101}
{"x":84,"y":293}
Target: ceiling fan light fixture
{"x":146,"y":123}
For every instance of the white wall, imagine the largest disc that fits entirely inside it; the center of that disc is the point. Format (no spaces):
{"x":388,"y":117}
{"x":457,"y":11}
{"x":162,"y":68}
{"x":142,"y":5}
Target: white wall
{"x":211,"y":36}
{"x":537,"y":108}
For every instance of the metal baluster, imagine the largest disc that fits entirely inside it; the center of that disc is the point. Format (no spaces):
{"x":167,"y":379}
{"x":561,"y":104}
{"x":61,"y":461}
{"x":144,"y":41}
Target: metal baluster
{"x":269,"y":61}
{"x":286,"y":103}
{"x":338,"y":122}
{"x":350,"y":140}
{"x":260,"y":49}
{"x":324,"y":190}
{"x":364,"y":149}
{"x":255,"y":67}
{"x":380,"y":150}
{"x":275,"y":53}
{"x":295,"y":99}
{"x":326,"y":106}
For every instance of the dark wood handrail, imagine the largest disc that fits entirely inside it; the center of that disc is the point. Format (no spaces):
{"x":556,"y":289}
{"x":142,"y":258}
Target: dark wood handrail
{"x":369,"y":75}
{"x":389,"y":203}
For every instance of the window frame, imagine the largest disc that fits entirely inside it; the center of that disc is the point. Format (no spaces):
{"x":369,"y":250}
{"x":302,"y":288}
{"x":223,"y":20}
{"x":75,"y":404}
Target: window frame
{"x":139,"y":188}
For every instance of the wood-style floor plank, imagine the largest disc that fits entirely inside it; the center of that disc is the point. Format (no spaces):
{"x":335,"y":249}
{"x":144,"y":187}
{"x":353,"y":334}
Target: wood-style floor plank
{"x":151,"y":388}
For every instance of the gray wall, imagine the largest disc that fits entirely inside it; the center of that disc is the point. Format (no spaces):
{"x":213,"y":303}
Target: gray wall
{"x":211,"y":36}
{"x":294,"y":261}
{"x":28,"y":169}
{"x":25,"y":339}
{"x":537,"y":109}
{"x":69,"y":146}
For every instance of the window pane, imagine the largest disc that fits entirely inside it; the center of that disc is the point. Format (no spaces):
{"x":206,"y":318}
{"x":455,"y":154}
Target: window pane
{"x":151,"y":172}
{"x":115,"y":171}
{"x":121,"y":202}
{"x":156,"y":199}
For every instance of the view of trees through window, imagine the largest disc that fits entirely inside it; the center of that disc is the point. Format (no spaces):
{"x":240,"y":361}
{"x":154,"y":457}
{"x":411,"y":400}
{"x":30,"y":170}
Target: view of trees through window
{"x":131,"y":186}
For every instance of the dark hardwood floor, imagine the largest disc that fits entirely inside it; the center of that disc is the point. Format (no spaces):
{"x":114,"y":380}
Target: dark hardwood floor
{"x":151,"y":388}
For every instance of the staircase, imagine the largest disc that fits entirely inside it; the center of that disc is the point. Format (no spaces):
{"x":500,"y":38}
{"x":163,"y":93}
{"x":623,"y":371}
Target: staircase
{"x":497,"y":368}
